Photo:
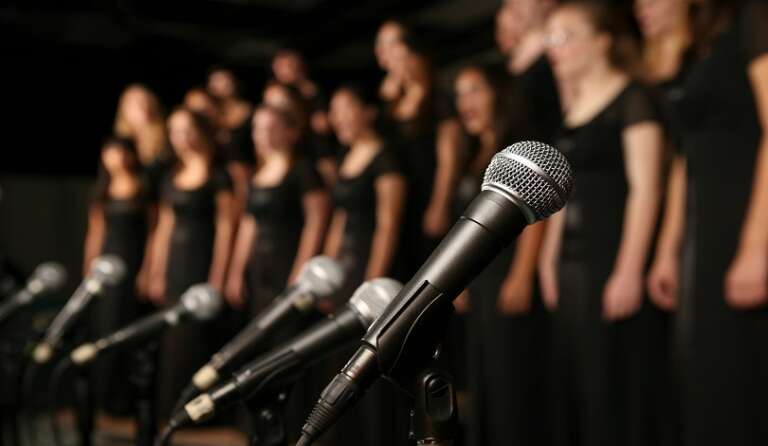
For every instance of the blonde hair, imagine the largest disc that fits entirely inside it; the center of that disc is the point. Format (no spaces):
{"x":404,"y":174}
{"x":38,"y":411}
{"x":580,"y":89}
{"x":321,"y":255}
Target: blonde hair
{"x":151,"y":141}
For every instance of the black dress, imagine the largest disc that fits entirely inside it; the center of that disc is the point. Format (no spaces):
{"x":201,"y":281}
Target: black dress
{"x":600,"y":385}
{"x":540,"y":100}
{"x":279,"y":215}
{"x":723,"y":350}
{"x":504,"y":354}
{"x":381,"y":417}
{"x":125,"y":236}
{"x":188,"y":346}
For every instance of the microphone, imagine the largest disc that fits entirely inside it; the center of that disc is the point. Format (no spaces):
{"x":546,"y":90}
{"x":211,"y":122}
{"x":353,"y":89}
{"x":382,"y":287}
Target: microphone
{"x":319,"y":278}
{"x":524,"y":183}
{"x":47,"y":277}
{"x":106,"y":270}
{"x":200,"y":302}
{"x":337,"y":331}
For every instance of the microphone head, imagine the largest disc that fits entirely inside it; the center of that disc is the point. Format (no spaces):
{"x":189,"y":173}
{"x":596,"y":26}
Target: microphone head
{"x":322,"y":276}
{"x":49,"y":276}
{"x":108,"y":268}
{"x":535,"y":176}
{"x":201,"y":301}
{"x":372,"y":297}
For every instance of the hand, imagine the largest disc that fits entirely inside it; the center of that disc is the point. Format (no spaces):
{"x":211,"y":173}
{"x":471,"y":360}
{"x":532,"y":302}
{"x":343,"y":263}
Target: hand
{"x":142,"y":284}
{"x":461,"y":303}
{"x":436,"y":222}
{"x":663,"y":282}
{"x":233,"y":293}
{"x":156,"y":290}
{"x":550,"y":290}
{"x":622,"y":295}
{"x":515,"y":296}
{"x":746,"y":281}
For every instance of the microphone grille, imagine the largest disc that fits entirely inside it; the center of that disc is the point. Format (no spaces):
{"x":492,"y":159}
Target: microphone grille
{"x":534,"y":175}
{"x":108,"y":268}
{"x":372,"y":297}
{"x":202,"y":301}
{"x":51,"y":275}
{"x":322,"y":276}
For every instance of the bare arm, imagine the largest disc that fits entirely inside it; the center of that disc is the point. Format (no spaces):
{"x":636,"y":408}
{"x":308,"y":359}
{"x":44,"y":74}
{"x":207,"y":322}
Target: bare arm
{"x":160,"y":252}
{"x":747,"y":278}
{"x":335,"y":233}
{"x":94,"y":238}
{"x":643,"y":148}
{"x":247,"y":232}
{"x":390,"y":195}
{"x":240,"y":174}
{"x":437,"y":217}
{"x":548,"y":258}
{"x":316,"y":209}
{"x":663,"y":275}
{"x":142,"y":278}
{"x":222,"y":243}
{"x":517,"y":289}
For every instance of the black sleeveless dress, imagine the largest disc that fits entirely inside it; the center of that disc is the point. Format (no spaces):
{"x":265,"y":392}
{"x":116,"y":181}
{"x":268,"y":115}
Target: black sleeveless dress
{"x":381,"y":417}
{"x":725,"y":362}
{"x":188,"y":346}
{"x":125,"y":236}
{"x":600,"y":386}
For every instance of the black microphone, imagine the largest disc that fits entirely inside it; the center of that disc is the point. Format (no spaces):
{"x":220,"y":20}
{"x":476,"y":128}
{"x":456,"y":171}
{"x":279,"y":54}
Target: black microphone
{"x":524,"y":183}
{"x":106,"y":270}
{"x":47,"y":277}
{"x":283,"y":363}
{"x":319,"y":278}
{"x":200,"y":302}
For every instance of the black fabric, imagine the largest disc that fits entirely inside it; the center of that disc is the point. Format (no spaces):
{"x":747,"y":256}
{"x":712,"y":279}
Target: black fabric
{"x":725,"y":365}
{"x":540,"y":100}
{"x":279,"y":214}
{"x":125,"y":236}
{"x":237,"y":145}
{"x":381,"y":418}
{"x":186,"y":348}
{"x":600,"y":386}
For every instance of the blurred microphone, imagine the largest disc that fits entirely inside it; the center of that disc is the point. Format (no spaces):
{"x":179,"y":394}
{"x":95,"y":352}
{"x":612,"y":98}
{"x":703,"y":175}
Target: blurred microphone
{"x":526,"y":182}
{"x":319,"y":278}
{"x":200,"y":302}
{"x":106,"y":270}
{"x":282,"y":364}
{"x":47,"y":277}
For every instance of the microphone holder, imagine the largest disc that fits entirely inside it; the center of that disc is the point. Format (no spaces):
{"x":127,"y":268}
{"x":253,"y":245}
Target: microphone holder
{"x":143,"y":381}
{"x":267,"y":417}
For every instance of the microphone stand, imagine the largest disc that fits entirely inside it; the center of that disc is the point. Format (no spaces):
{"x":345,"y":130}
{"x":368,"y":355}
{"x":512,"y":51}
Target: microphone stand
{"x":434,"y":418}
{"x":143,"y":380}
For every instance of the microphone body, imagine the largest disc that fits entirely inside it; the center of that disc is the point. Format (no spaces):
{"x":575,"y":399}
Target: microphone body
{"x":47,"y":277}
{"x":320,"y":277}
{"x":199,"y":302}
{"x":524,"y":183}
{"x":283,"y":363}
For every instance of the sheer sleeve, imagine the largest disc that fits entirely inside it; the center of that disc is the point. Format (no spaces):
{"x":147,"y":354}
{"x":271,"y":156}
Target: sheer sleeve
{"x":221,"y":180}
{"x":386,"y":163}
{"x":309,"y":177}
{"x":639,"y":107}
{"x":755,"y":29}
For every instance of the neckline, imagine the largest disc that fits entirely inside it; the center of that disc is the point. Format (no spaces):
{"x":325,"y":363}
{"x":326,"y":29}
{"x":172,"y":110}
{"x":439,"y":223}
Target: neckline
{"x":364,"y":170}
{"x":602,"y":111}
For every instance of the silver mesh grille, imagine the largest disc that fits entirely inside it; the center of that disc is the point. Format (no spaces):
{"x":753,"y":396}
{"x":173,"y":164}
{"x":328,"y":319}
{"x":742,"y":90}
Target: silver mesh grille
{"x":322,"y":276}
{"x":202,"y":301}
{"x":536,"y":176}
{"x":51,"y":275}
{"x":108,"y":268}
{"x":372,"y":297}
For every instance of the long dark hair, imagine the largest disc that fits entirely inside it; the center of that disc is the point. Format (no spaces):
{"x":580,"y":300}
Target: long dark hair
{"x":624,"y":53}
{"x":100,"y":192}
{"x":709,"y":19}
{"x":206,"y":131}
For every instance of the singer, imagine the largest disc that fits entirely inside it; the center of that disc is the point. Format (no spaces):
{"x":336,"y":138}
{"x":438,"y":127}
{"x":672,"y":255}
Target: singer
{"x":118,"y":222}
{"x":595,"y":252}
{"x":191,"y":245}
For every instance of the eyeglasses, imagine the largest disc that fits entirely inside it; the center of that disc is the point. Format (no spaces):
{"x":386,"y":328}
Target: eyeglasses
{"x":556,"y":39}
